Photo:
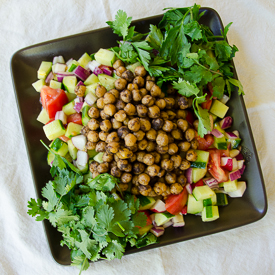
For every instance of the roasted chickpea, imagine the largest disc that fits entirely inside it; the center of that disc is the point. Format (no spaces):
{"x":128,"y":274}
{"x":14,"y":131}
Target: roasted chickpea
{"x":93,"y":112}
{"x":170,"y":102}
{"x":162,"y":95}
{"x":183,"y":102}
{"x":156,"y":156}
{"x":120,"y":105}
{"x":125,"y":153}
{"x":126,"y":121}
{"x":164,"y":115}
{"x":93,"y":124}
{"x":184,"y":146}
{"x":116,"y":124}
{"x":103,"y":115}
{"x":148,"y":100}
{"x":181,"y":179}
{"x":148,"y":159}
{"x":80,"y":90}
{"x":171,"y":115}
{"x":151,"y":146}
{"x":142,"y":110}
{"x":150,"y":78}
{"x":120,"y":115}
{"x":142,"y":145}
{"x":103,"y":135}
{"x":90,"y":145}
{"x":122,"y":187}
{"x":162,"y":149}
{"x":105,"y":125}
{"x":140,"y":71}
{"x":130,"y":140}
{"x":194,"y":144}
{"x":132,"y":86}
{"x":100,"y":91}
{"x":149,"y":85}
{"x":93,"y":165}
{"x":170,"y":178}
{"x":128,"y":75}
{"x":167,"y":165}
{"x":151,"y":134}
{"x":137,"y":96}
{"x":109,"y":109}
{"x":153,"y":170}
{"x":126,"y":96}
{"x":138,"y":168}
{"x":182,"y":124}
{"x":120,"y":84}
{"x":145,"y":190}
{"x":122,"y":164}
{"x":107,"y":157}
{"x":140,"y":156}
{"x":134,"y":157}
{"x":85,"y":130}
{"x":185,"y":164}
{"x":135,"y":190}
{"x":170,"y":89}
{"x":190,"y":134}
{"x":191,"y":155}
{"x":126,"y":177}
{"x":177,"y":134}
{"x":134,"y":124}
{"x":143,"y":179}
{"x":117,"y":64}
{"x":177,"y":160}
{"x":100,"y":103}
{"x":157,"y":123}
{"x":95,"y":174}
{"x":167,"y":126}
{"x":161,"y":173}
{"x":155,"y":90}
{"x":196,"y":124}
{"x":103,"y":167}
{"x":162,"y":139}
{"x":172,"y":148}
{"x":153,"y":111}
{"x":135,"y":180}
{"x":145,"y":124}
{"x":130,"y":109}
{"x":176,"y":188}
{"x":116,"y":172}
{"x":160,"y":188}
{"x":112,"y":137}
{"x":143,"y":92}
{"x":100,"y":146}
{"x":109,"y":98}
{"x":120,"y":70}
{"x":133,"y":148}
{"x":128,"y":168}
{"x":112,"y":147}
{"x":139,"y":135}
{"x":93,"y":136}
{"x":161,"y":103}
{"x":181,"y":114}
{"x":139,"y":81}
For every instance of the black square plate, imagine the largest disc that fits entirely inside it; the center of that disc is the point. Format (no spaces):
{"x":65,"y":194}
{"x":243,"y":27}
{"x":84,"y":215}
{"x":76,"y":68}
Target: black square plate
{"x":24,"y":64}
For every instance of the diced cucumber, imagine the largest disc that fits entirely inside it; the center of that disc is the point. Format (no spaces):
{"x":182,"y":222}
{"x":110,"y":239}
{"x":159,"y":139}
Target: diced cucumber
{"x":98,"y":157}
{"x":69,"y":83}
{"x":43,"y":116}
{"x":92,"y":153}
{"x":220,"y":143}
{"x":60,"y":147}
{"x":146,"y":202}
{"x":73,"y":129}
{"x":198,"y":173}
{"x":218,"y":127}
{"x":55,"y":84}
{"x":210,"y":213}
{"x":218,"y":108}
{"x":68,"y":109}
{"x":84,"y":60}
{"x":92,"y":79}
{"x":91,"y":88}
{"x":85,"y":117}
{"x":68,"y":157}
{"x":72,"y":65}
{"x":241,"y":187}
{"x":105,"y":57}
{"x":58,"y":68}
{"x":83,"y":169}
{"x":162,"y":218}
{"x":54,"y":129}
{"x":202,"y":192}
{"x":213,"y":116}
{"x":107,"y":81}
{"x":37,"y":85}
{"x":44,"y":69}
{"x":72,"y":150}
{"x":194,"y":206}
{"x":234,"y":143}
{"x":210,"y":201}
{"x":230,"y":186}
{"x":132,"y":67}
{"x":221,"y":199}
{"x":202,"y":159}
{"x":145,"y":229}
{"x":70,"y":96}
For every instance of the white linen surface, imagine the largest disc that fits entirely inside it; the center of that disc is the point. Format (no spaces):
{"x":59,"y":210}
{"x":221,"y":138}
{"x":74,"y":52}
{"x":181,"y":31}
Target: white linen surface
{"x":245,"y":250}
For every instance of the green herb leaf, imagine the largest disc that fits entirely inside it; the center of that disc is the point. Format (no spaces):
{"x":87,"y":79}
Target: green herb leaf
{"x":185,"y":88}
{"x":155,"y":37}
{"x":103,"y":182}
{"x":238,"y":84}
{"x":113,"y":250}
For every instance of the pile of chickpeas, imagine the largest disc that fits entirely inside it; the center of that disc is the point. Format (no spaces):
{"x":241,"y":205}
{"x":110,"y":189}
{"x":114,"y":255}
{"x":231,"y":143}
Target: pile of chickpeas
{"x":147,"y":142}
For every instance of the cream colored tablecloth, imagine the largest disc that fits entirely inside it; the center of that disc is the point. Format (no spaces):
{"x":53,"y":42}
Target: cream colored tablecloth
{"x":245,"y":250}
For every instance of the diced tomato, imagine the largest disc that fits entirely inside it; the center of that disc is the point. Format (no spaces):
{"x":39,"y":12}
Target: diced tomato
{"x":190,"y":117}
{"x":64,"y":138}
{"x":214,"y":166}
{"x":175,"y":203}
{"x":147,"y":213}
{"x":198,"y":183}
{"x":205,"y":142}
{"x":210,"y":88}
{"x":53,"y":100}
{"x":75,"y":118}
{"x":207,"y":104}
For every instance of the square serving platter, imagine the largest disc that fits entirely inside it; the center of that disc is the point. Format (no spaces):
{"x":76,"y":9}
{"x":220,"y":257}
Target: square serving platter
{"x":24,"y":65}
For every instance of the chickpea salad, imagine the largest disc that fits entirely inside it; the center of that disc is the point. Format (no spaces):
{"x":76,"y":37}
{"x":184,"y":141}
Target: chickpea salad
{"x":139,"y":136}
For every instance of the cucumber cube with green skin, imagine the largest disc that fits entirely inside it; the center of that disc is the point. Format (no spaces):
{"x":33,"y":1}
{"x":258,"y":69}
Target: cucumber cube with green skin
{"x":73,"y":129}
{"x":92,"y":79}
{"x":203,"y":192}
{"x":105,"y":57}
{"x":221,"y":199}
{"x":132,"y":67}
{"x":234,"y":143}
{"x":69,"y":83}
{"x":218,"y":127}
{"x":60,"y":147}
{"x":198,"y":173}
{"x":220,"y":143}
{"x":72,"y":150}
{"x":72,"y":65}
{"x":162,"y":218}
{"x":230,"y":186}
{"x":84,"y":60}
{"x":146,"y":202}
{"x":210,"y":201}
{"x":91,"y":88}
{"x":43,"y":116}
{"x":210,"y":213}
{"x":92,"y":153}
{"x":44,"y":69}
{"x":202,"y":159}
{"x":68,"y":109}
{"x":194,"y":206}
{"x":85,"y":117}
{"x":54,"y":129}
{"x":70,"y":96}
{"x":55,"y":84}
{"x":37,"y":85}
{"x":83,"y":169}
{"x":241,"y":187}
{"x":107,"y":81}
{"x":218,"y":108}
{"x":99,"y":157}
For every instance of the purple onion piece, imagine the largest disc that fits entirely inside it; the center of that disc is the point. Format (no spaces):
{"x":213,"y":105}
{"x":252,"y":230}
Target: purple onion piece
{"x":97,"y":71}
{"x":226,"y":122}
{"x":242,"y":169}
{"x":49,"y":78}
{"x":239,"y":156}
{"x":107,"y":71}
{"x":80,"y":83}
{"x":211,"y":182}
{"x":78,"y":106}
{"x":230,"y":135}
{"x":189,"y":188}
{"x":188,"y":175}
{"x":234,"y":175}
{"x":216,"y":133}
{"x":81,"y":73}
{"x":157,"y":232}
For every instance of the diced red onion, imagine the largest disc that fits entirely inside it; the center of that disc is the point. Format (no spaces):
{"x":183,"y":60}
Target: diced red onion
{"x":82,"y":158}
{"x":61,"y":75}
{"x":224,"y":99}
{"x":236,"y":132}
{"x":90,"y":99}
{"x":80,"y":83}
{"x":61,"y":116}
{"x":49,"y":78}
{"x":226,"y":122}
{"x":184,"y":210}
{"x":157,"y":231}
{"x":78,"y":106}
{"x":97,"y":71}
{"x":167,"y":224}
{"x":189,"y":189}
{"x":152,"y":216}
{"x":58,"y":59}
{"x":81,"y":73}
{"x":158,"y":207}
{"x":230,"y":135}
{"x":69,"y":61}
{"x":240,"y":164}
{"x":93,"y":64}
{"x":239,"y":156}
{"x":227,"y":163}
{"x":211,"y":182}
{"x":234,"y":175}
{"x":79,"y":99}
{"x":188,"y":175}
{"x":59,"y":68}
{"x":235,"y":164}
{"x":216,"y":133}
{"x":242,"y":170}
{"x":106,"y":69}
{"x":179,"y":224}
{"x":79,"y":142}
